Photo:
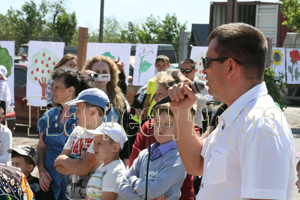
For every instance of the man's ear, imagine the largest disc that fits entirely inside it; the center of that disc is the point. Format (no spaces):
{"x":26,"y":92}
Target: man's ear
{"x":169,"y":64}
{"x":2,"y":118}
{"x":232,"y":67}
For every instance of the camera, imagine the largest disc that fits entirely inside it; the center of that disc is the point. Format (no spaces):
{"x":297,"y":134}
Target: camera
{"x":100,"y":77}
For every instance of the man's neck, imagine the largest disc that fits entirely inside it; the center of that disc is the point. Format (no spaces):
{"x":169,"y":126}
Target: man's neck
{"x":239,"y":89}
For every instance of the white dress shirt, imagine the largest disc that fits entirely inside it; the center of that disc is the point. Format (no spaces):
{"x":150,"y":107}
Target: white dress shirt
{"x":251,"y":154}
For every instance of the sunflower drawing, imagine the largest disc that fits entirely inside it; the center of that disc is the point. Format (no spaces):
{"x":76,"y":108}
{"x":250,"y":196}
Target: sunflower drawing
{"x":277,"y":57}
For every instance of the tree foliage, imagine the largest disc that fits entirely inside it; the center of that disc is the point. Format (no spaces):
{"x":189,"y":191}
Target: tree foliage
{"x":49,"y":19}
{"x":291,"y":11}
{"x":153,"y":30}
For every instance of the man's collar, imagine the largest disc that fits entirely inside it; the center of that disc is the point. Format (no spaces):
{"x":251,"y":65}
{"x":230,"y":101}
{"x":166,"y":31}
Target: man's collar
{"x":232,"y":112}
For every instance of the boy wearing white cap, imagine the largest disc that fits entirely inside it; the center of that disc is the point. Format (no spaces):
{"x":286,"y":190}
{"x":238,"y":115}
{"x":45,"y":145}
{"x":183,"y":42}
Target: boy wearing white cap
{"x":78,"y":160}
{"x":109,"y":140}
{"x":4,"y":91}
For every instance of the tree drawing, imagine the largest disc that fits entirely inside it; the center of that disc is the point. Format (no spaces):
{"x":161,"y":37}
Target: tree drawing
{"x":295,"y":57}
{"x":144,"y":65}
{"x":108,"y":54}
{"x":42,"y":64}
{"x":6,"y":60}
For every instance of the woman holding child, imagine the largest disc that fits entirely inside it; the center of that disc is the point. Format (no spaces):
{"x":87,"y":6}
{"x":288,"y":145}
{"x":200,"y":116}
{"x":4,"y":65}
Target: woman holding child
{"x":56,"y":125}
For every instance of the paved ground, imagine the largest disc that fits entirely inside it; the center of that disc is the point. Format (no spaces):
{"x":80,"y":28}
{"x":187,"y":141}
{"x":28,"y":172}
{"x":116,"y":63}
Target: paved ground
{"x":23,"y":135}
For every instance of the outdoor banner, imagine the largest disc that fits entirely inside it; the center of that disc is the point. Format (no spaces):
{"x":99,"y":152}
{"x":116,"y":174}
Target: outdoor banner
{"x":7,"y":53}
{"x":293,"y":66}
{"x":197,"y":53}
{"x":278,"y":56}
{"x":144,"y":69}
{"x":42,"y":57}
{"x":115,"y":51}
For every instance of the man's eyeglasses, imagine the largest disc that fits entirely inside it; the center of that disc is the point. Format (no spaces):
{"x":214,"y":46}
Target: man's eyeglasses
{"x":206,"y":60}
{"x":186,"y":70}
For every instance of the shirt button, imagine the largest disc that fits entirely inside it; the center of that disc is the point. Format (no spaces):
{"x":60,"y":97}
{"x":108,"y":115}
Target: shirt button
{"x":60,"y":176}
{"x":201,"y":185}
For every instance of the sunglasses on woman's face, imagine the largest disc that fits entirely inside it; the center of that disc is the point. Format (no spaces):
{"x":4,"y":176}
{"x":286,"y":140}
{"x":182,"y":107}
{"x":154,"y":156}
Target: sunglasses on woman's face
{"x":186,"y":70}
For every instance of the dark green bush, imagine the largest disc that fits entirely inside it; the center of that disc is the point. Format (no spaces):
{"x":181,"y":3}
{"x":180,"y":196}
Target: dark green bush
{"x":275,"y":84}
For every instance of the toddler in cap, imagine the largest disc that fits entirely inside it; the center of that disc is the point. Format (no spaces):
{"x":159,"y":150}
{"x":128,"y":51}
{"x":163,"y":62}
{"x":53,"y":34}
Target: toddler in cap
{"x":25,"y":157}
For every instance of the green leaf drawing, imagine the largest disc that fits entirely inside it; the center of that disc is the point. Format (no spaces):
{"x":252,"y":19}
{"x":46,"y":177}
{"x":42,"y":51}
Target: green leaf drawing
{"x":290,"y":69}
{"x":6,"y":60}
{"x":297,"y":74}
{"x":144,"y":66}
{"x":108,"y":54}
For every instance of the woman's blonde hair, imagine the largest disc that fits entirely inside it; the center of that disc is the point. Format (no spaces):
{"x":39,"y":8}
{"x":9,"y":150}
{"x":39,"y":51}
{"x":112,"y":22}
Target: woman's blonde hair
{"x":115,"y":94}
{"x":169,"y":78}
{"x":65,"y":59}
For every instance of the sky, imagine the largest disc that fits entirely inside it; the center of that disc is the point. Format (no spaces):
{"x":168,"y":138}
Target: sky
{"x":88,"y":11}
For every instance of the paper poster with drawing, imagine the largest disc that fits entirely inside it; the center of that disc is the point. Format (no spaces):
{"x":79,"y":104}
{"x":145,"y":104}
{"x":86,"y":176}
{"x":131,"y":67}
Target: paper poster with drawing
{"x":113,"y":50}
{"x":293,"y":66}
{"x":144,"y":69}
{"x":42,"y":57}
{"x":197,"y":53}
{"x":7,"y":52}
{"x":278,"y":55}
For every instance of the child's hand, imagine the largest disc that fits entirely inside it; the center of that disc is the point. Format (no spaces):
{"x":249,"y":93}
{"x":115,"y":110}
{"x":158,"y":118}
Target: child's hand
{"x":84,"y":153}
{"x":162,"y":197}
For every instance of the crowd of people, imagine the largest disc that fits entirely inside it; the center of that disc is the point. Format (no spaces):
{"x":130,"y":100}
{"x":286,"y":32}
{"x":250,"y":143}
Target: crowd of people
{"x":88,"y":150}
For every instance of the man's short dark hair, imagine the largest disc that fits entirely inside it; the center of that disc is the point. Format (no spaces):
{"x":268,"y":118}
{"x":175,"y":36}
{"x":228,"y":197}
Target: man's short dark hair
{"x":244,"y":43}
{"x":188,"y":62}
{"x":27,"y":159}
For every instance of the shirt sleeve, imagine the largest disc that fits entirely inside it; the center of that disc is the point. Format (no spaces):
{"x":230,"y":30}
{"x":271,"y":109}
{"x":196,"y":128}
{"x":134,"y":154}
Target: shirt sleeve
{"x":6,"y":144}
{"x":149,"y":87}
{"x":7,"y":96}
{"x":201,"y":100}
{"x":112,"y":180}
{"x":125,"y":190}
{"x":264,"y":156}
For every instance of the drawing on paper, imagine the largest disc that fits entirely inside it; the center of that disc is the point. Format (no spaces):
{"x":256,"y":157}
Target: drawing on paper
{"x":42,"y":64}
{"x":6,"y":60}
{"x":108,"y":54}
{"x":144,"y":65}
{"x":199,"y":66}
{"x":277,"y":57}
{"x":295,"y":57}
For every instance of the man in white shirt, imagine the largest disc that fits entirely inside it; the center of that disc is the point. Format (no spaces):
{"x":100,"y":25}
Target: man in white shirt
{"x":250,"y":155}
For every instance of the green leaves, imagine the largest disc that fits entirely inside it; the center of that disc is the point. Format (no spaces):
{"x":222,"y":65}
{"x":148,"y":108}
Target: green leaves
{"x":290,"y":10}
{"x":274,"y":85}
{"x":297,"y":74}
{"x":48,"y":19}
{"x":144,"y":66}
{"x":6,"y":60}
{"x":290,"y":69}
